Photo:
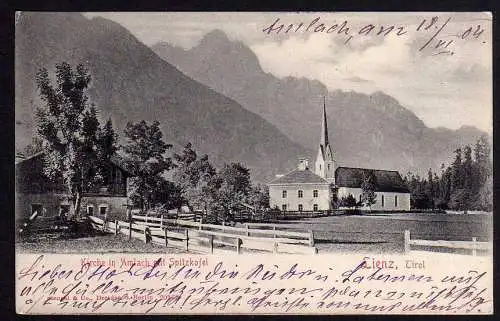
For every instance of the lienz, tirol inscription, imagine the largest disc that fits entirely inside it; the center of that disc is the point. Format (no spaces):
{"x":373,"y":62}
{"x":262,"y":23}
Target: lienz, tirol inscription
{"x":437,"y":39}
{"x":229,"y":286}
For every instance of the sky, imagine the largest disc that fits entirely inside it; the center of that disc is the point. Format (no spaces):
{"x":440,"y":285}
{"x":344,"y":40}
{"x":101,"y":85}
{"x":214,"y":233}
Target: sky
{"x":438,"y":65}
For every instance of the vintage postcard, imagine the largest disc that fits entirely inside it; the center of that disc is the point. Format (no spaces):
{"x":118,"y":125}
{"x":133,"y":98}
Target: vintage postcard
{"x":254,"y":163}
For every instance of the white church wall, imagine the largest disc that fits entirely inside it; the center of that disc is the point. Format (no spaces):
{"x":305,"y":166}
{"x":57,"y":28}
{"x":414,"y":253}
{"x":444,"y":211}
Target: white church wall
{"x":403,"y":202}
{"x":292,"y":200}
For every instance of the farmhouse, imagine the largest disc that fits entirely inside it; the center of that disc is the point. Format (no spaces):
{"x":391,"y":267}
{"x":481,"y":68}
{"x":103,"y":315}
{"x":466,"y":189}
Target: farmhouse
{"x":36,"y":193}
{"x":305,"y":190}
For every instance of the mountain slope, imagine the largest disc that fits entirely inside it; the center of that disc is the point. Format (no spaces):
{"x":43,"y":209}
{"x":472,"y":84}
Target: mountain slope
{"x":130,"y":82}
{"x":365,"y":130}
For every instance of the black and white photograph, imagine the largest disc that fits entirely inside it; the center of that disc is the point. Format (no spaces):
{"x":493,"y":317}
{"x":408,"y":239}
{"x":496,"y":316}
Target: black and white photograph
{"x":247,"y":133}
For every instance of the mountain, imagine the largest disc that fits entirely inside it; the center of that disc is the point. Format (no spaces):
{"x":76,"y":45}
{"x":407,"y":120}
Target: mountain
{"x":130,"y":83}
{"x":373,"y":131}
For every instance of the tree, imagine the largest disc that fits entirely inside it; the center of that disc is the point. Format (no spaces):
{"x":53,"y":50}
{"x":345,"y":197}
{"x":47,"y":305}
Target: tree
{"x":334,"y":202}
{"x":35,"y":147}
{"x":431,"y":189}
{"x":201,"y":192}
{"x":368,"y":196}
{"x":484,"y":198}
{"x":259,"y":197}
{"x":68,"y":128}
{"x":461,"y":199}
{"x":348,"y":201}
{"x":166,"y":194}
{"x":457,"y":177}
{"x":194,"y":177}
{"x":482,"y":169}
{"x":146,"y":148}
{"x":232,"y":187}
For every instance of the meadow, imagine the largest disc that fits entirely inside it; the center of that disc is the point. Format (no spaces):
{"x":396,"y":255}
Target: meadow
{"x":380,"y":233}
{"x":93,"y":243}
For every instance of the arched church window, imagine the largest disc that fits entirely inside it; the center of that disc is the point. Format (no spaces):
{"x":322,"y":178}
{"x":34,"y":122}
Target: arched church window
{"x":300,"y":194}
{"x":315,"y":207}
{"x":396,"y":201}
{"x":328,"y":166}
{"x":315,"y":193}
{"x":383,"y":200}
{"x":301,"y":208}
{"x":283,"y":194}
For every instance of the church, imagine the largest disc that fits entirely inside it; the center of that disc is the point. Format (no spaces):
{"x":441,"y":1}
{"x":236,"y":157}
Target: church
{"x":306,"y":189}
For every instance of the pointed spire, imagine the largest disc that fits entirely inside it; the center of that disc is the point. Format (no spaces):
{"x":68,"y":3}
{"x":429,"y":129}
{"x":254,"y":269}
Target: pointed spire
{"x":324,"y":126}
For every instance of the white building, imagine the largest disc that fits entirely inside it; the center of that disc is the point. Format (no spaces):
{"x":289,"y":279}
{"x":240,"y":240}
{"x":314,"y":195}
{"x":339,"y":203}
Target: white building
{"x":300,"y":190}
{"x":303,"y":190}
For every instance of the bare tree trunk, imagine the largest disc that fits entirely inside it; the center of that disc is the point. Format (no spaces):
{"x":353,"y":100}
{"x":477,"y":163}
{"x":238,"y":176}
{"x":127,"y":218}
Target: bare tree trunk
{"x":78,"y":203}
{"x":76,"y":194}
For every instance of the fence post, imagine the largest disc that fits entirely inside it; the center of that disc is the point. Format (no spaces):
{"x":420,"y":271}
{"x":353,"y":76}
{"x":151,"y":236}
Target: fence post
{"x":187,"y":239}
{"x":116,"y":227}
{"x":275,"y":247}
{"x":211,"y":244}
{"x":145,"y":236}
{"x":274,"y":230}
{"x":161,"y":221}
{"x":166,"y":237}
{"x":406,"y":241}
{"x":247,"y":229}
{"x":130,"y":229}
{"x":238,"y":245}
{"x":474,"y":251}
{"x":311,"y":238}
{"x":200,"y":225}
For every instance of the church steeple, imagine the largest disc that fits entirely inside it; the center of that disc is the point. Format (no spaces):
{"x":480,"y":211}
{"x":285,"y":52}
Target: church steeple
{"x":325,"y":164}
{"x":324,"y":126}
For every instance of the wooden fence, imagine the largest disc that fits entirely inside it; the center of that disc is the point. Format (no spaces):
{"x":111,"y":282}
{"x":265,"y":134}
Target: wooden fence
{"x":306,"y":238}
{"x":472,"y":245}
{"x":199,"y":237}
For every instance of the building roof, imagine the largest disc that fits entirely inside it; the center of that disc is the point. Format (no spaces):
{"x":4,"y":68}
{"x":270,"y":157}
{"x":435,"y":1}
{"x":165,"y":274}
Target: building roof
{"x":116,"y":159}
{"x":384,"y":181}
{"x":299,"y":177}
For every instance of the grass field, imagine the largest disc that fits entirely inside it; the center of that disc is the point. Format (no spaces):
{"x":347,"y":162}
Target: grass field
{"x":382,"y":232}
{"x":358,"y":233}
{"x":96,"y":243}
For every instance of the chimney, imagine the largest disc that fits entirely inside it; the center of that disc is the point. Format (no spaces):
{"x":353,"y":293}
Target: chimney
{"x":303,"y":164}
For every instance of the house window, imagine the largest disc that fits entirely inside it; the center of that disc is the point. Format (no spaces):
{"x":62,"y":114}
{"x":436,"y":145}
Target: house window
{"x":315,"y":207}
{"x":382,"y":200}
{"x":301,"y":208}
{"x":103,"y":210}
{"x":396,"y":201}
{"x":90,"y":210}
{"x":300,"y":193}
{"x":315,"y":193}
{"x":283,"y":207}
{"x":283,"y":194}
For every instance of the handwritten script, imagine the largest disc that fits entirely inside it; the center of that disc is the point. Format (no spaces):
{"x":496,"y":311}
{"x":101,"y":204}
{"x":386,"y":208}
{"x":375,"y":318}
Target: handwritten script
{"x":209,"y":284}
{"x":438,"y":38}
